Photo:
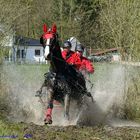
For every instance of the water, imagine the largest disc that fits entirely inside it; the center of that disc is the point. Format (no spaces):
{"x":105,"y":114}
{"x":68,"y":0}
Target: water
{"x":22,"y":83}
{"x":109,"y":81}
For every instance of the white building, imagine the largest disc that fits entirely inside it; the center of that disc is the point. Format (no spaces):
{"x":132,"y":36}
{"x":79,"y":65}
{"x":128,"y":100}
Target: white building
{"x":26,"y":50}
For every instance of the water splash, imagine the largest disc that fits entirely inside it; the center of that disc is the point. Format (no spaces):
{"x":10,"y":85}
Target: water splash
{"x":22,"y":84}
{"x":109,"y":94}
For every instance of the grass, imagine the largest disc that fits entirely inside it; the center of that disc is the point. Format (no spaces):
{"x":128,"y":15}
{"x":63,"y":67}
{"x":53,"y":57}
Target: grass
{"x":9,"y":129}
{"x":68,"y":133}
{"x":132,"y":106}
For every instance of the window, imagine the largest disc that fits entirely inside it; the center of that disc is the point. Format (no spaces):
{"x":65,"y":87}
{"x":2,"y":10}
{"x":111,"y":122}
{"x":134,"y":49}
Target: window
{"x":22,"y":53}
{"x":37,"y":52}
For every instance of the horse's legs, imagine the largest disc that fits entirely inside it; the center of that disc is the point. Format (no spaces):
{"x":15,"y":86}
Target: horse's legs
{"x":66,"y":106}
{"x":48,"y":114}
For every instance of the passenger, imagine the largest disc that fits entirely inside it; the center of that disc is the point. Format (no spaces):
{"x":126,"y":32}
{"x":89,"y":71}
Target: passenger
{"x":80,"y":62}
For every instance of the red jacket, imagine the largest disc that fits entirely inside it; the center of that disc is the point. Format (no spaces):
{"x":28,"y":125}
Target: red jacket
{"x":67,"y":56}
{"x":82,"y":63}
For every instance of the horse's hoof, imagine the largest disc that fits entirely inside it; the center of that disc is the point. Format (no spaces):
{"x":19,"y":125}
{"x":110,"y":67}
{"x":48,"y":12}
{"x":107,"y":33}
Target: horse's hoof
{"x":47,"y":121}
{"x":38,"y":93}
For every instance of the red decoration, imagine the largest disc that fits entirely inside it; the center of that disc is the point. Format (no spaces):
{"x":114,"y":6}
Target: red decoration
{"x":54,"y":28}
{"x":45,"y":28}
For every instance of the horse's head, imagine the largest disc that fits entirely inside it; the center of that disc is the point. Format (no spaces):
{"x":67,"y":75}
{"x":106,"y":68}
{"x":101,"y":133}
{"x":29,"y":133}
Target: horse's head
{"x":49,"y":40}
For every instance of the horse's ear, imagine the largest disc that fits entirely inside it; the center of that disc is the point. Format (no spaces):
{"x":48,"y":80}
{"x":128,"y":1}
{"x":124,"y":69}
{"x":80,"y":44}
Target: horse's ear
{"x":54,"y":28}
{"x":45,"y":28}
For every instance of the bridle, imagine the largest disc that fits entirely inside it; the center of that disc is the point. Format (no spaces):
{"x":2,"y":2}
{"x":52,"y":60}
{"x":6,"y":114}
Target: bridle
{"x":49,"y":40}
{"x":50,"y":45}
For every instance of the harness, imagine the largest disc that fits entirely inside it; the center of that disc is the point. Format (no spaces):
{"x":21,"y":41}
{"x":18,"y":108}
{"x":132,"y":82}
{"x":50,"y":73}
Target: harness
{"x":59,"y":84}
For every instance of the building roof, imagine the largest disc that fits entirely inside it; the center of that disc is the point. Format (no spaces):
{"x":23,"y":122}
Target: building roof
{"x":19,"y":40}
{"x":105,"y":51}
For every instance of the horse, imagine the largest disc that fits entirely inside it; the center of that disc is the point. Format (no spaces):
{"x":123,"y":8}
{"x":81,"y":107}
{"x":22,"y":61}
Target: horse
{"x":63,"y":82}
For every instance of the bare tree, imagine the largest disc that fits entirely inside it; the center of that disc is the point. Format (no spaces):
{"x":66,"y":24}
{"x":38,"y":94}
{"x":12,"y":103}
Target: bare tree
{"x":119,"y":26}
{"x":12,"y":18}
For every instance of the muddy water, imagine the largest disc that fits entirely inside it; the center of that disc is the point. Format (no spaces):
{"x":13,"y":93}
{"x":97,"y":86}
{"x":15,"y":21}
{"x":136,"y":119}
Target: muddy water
{"x":108,"y":92}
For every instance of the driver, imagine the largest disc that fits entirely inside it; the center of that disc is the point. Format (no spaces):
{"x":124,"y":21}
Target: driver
{"x":67,"y":52}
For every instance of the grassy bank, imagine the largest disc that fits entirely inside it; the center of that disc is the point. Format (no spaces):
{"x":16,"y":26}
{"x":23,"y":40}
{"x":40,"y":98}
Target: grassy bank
{"x":31,"y":131}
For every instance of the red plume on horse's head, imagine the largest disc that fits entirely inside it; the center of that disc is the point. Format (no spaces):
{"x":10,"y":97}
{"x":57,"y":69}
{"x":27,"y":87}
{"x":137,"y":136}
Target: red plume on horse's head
{"x":54,"y":28}
{"x":45,"y":28}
